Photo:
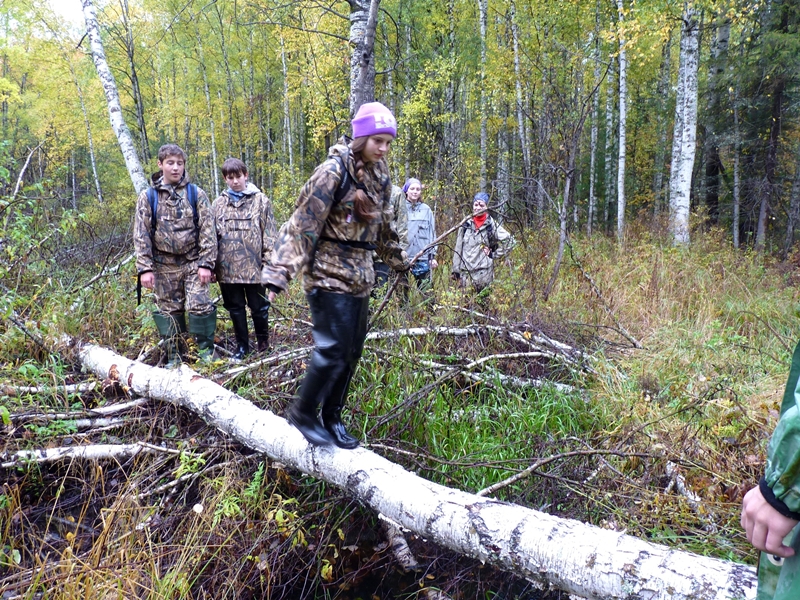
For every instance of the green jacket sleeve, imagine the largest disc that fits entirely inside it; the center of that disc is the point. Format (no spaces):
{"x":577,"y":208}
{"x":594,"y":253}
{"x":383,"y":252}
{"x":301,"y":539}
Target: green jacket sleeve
{"x":781,"y":482}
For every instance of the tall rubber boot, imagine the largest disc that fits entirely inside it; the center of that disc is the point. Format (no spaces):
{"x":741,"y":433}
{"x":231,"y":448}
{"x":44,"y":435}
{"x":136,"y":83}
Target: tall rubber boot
{"x":261,"y":327}
{"x":332,"y":413}
{"x":349,"y":318}
{"x":202,"y":327}
{"x":239,"y":320}
{"x":170,"y":326}
{"x":303,"y":415}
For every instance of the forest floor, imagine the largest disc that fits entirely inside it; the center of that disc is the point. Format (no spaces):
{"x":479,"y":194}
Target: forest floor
{"x":642,"y":392}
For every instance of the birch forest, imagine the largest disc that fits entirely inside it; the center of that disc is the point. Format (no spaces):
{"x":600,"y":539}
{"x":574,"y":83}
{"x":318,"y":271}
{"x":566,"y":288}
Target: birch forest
{"x":585,"y":427}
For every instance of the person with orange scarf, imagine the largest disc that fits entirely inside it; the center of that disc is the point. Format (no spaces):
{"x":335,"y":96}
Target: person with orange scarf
{"x":480,"y":241}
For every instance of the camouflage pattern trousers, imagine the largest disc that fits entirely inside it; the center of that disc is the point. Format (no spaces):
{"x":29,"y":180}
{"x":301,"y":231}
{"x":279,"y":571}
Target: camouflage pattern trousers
{"x":178,"y":289}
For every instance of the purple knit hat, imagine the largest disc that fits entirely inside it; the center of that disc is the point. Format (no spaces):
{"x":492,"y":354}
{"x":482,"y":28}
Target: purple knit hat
{"x":374,"y":118}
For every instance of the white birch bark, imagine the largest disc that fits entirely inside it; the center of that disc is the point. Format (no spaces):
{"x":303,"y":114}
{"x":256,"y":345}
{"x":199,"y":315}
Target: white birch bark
{"x":522,"y":130}
{"x":362,"y":38}
{"x":609,"y":146}
{"x":482,"y":108}
{"x":685,"y":132}
{"x":126,"y":143}
{"x":210,"y":112}
{"x":594,"y":126}
{"x":288,"y":148}
{"x":623,"y":119}
{"x":580,"y":559}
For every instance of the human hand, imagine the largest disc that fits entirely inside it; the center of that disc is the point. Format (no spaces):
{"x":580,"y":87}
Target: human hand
{"x":271,"y":296}
{"x":765,"y":527}
{"x":204,"y":275}
{"x":148,"y":280}
{"x":487,"y":251}
{"x":433,"y":263}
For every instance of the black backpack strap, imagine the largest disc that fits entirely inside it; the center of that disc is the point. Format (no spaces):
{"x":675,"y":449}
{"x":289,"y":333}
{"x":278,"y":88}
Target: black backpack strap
{"x":344,"y":183}
{"x":152,"y":199}
{"x":191,"y":195}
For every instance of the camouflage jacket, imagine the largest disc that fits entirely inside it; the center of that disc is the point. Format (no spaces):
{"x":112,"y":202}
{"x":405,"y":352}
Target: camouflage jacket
{"x":469,"y":256}
{"x":245,"y":235}
{"x":324,"y":240}
{"x":175,"y":241}
{"x":400,"y":218}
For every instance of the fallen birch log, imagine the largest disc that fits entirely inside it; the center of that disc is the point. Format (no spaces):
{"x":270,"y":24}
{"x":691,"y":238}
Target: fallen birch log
{"x":580,"y":559}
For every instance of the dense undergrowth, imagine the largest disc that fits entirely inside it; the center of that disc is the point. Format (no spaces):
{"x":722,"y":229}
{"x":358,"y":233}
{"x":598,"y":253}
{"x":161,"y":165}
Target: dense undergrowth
{"x":209,"y":519}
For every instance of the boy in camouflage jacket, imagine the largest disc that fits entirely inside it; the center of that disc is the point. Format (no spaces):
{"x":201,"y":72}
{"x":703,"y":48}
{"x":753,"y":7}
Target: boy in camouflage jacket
{"x":245,"y":235}
{"x":330,"y":242}
{"x":175,"y":254}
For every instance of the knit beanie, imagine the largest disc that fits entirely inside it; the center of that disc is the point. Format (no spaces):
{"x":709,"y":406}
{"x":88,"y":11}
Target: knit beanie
{"x":482,"y":196}
{"x":374,"y":118}
{"x":409,"y":182}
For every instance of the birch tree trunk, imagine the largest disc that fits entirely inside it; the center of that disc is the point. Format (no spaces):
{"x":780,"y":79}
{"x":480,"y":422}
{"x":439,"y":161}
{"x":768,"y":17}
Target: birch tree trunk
{"x":210,"y":112}
{"x":482,"y":107}
{"x":109,"y":84}
{"x":580,"y":559}
{"x":521,"y":125}
{"x":363,"y":21}
{"x":593,"y":148}
{"x":623,"y":119}
{"x":685,"y":132}
{"x":90,"y":140}
{"x":450,"y":137}
{"x":609,"y":147}
{"x":662,"y":91}
{"x":288,"y":148}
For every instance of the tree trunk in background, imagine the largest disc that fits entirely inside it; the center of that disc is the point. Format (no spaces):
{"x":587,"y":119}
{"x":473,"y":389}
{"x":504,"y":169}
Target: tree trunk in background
{"x":662,"y":91}
{"x":231,"y":103}
{"x":580,"y":559}
{"x":685,"y":132}
{"x":593,"y":148}
{"x":623,"y":118}
{"x":521,"y":121}
{"x":482,"y":107}
{"x":138,"y":100}
{"x":363,"y":21}
{"x":794,"y":207}
{"x":503,"y":162}
{"x":287,"y":115}
{"x":771,"y":193}
{"x":449,"y":138}
{"x":88,"y":126}
{"x":716,"y":67}
{"x":124,"y":138}
{"x":210,"y":112}
{"x":737,"y":145}
{"x":609,"y":172}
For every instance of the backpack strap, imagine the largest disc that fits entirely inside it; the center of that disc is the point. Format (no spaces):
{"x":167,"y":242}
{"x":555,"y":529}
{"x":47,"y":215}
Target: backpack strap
{"x":344,"y":183}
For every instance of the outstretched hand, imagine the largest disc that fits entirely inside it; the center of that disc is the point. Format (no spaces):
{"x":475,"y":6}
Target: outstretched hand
{"x":765,"y":527}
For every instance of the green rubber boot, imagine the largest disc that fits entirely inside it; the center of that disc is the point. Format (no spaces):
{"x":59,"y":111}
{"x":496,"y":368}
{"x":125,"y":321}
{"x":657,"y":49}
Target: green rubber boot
{"x":170,"y":327}
{"x":202,"y":327}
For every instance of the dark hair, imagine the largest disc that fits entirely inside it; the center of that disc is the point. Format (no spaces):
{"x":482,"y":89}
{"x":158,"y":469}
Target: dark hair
{"x":168,"y":150}
{"x":233,"y":166}
{"x":361,"y":204}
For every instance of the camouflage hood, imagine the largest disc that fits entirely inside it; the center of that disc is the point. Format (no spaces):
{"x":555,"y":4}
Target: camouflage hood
{"x":157,"y":181}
